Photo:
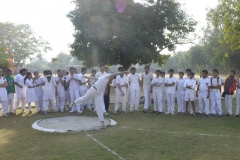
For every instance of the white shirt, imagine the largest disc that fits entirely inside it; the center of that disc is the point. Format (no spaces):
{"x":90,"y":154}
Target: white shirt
{"x":215,"y":83}
{"x":170,"y":80}
{"x":180,"y":87}
{"x":60,"y":88}
{"x":147,"y":78}
{"x":190,"y":82}
{"x":39,"y":89}
{"x":3,"y":91}
{"x":101,"y":83}
{"x":204,"y":83}
{"x":83,"y":79}
{"x":73,"y":85}
{"x":134,"y":81}
{"x":100,"y":74}
{"x":20,"y":80}
{"x":157,"y":84}
{"x":121,"y":80}
{"x":92,"y":81}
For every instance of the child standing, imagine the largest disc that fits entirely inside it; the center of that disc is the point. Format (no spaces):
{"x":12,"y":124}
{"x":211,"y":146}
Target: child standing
{"x":50,"y":90}
{"x":216,"y":83}
{"x":170,"y":83}
{"x":204,"y":93}
{"x":180,"y":93}
{"x":147,"y":78}
{"x":163,"y":90}
{"x":31,"y":95}
{"x":10,"y":90}
{"x":229,"y":88}
{"x":190,"y":85}
{"x":3,"y":94}
{"x":39,"y":91}
{"x":156,"y":83}
{"x":60,"y":97}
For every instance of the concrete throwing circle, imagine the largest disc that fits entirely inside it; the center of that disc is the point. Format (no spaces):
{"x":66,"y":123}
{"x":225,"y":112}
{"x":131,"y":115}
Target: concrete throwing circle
{"x":70,"y":123}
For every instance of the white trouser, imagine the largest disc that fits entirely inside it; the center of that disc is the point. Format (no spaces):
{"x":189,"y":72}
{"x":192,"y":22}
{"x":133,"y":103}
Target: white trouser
{"x":4,"y":107}
{"x":237,"y":102}
{"x":46,"y":104}
{"x":216,"y":101}
{"x":36,"y":105}
{"x":21,"y":100}
{"x":128,"y":96}
{"x":40,"y":103}
{"x":10,"y":102}
{"x":119,"y":96}
{"x":60,"y":101}
{"x":102,"y":103}
{"x":74,"y":94}
{"x":164,"y":101}
{"x":181,"y":102}
{"x":170,"y":102}
{"x":98,"y":98}
{"x":82,"y":93}
{"x":147,"y":98}
{"x":157,"y":97}
{"x":203,"y":102}
{"x":135,"y":97}
{"x":228,"y":103}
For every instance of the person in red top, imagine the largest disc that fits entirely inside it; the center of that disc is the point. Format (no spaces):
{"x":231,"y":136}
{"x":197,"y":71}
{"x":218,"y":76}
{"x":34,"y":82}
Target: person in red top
{"x":229,"y":88}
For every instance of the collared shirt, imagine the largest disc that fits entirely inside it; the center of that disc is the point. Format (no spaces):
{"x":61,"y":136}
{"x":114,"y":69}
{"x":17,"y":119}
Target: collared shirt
{"x":190,"y":82}
{"x":170,"y":80}
{"x":134,"y":81}
{"x":100,"y":74}
{"x":180,"y":83}
{"x":157,"y":83}
{"x":73,"y":85}
{"x":83,"y":79}
{"x":121,"y":80}
{"x":215,"y":82}
{"x":147,"y":78}
{"x":204,"y":83}
{"x":60,"y":87}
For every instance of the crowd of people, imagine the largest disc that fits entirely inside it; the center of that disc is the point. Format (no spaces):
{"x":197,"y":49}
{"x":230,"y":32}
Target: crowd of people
{"x":52,"y":94}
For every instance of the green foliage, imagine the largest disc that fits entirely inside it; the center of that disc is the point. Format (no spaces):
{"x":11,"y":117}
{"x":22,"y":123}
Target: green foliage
{"x":226,"y":17}
{"x":21,"y":41}
{"x":4,"y":63}
{"x":126,"y":33}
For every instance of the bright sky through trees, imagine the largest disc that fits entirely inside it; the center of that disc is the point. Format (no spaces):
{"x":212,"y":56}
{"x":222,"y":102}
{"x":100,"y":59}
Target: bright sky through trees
{"x":48,"y":19}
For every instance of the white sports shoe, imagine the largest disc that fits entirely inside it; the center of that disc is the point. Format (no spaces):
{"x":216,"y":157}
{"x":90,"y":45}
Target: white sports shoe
{"x":105,"y":113}
{"x":167,"y":113}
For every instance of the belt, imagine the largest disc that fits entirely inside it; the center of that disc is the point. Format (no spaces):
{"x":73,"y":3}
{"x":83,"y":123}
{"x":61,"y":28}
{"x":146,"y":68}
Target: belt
{"x":95,"y":88}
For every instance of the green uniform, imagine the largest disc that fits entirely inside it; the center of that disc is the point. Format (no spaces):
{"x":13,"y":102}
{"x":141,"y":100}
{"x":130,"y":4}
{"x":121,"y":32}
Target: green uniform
{"x":11,"y":85}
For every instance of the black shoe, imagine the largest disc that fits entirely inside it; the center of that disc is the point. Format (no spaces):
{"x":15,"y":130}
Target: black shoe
{"x":220,"y":116}
{"x":159,"y":112}
{"x":144,"y":111}
{"x":30,"y":112}
{"x":237,"y":115}
{"x":213,"y":115}
{"x":226,"y":114}
{"x":154,"y":112}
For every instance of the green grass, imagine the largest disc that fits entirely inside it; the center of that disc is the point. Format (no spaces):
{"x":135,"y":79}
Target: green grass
{"x":157,"y":141}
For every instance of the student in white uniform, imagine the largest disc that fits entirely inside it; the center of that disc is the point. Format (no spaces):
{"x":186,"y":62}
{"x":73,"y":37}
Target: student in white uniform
{"x":203,"y":93}
{"x":190,"y":85}
{"x":31,"y":95}
{"x":10,"y":91}
{"x":66,"y":89}
{"x":180,"y":93}
{"x":170,"y":84}
{"x":39,"y":91}
{"x":73,"y":81}
{"x":238,"y":96}
{"x":134,"y":83}
{"x":98,"y":75}
{"x":188,"y":71}
{"x":20,"y":89}
{"x":83,"y":88}
{"x":147,"y":89}
{"x":3,"y":94}
{"x":128,"y":92}
{"x":49,"y":92}
{"x":96,"y":92}
{"x":216,"y":83}
{"x":163,"y":90}
{"x":60,"y":97}
{"x":121,"y":92}
{"x":156,"y":83}
{"x":91,"y":82}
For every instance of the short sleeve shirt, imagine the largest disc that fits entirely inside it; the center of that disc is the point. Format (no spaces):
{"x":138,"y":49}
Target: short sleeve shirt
{"x":11,"y":85}
{"x":169,"y":80}
{"x":121,"y":80}
{"x":204,"y":83}
{"x":134,"y":81}
{"x":147,"y":78}
{"x":215,"y":82}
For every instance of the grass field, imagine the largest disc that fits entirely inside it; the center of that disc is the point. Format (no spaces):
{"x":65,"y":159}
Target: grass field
{"x":137,"y":136}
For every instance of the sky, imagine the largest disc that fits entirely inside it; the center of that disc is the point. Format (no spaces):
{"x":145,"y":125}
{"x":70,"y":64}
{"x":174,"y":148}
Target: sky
{"x":48,"y":19}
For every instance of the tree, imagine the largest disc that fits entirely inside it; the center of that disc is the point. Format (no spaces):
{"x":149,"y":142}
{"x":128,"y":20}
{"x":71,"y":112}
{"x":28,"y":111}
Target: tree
{"x":226,"y":17}
{"x":126,"y":33}
{"x":21,"y":41}
{"x":54,"y":60}
{"x":5,"y":59}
